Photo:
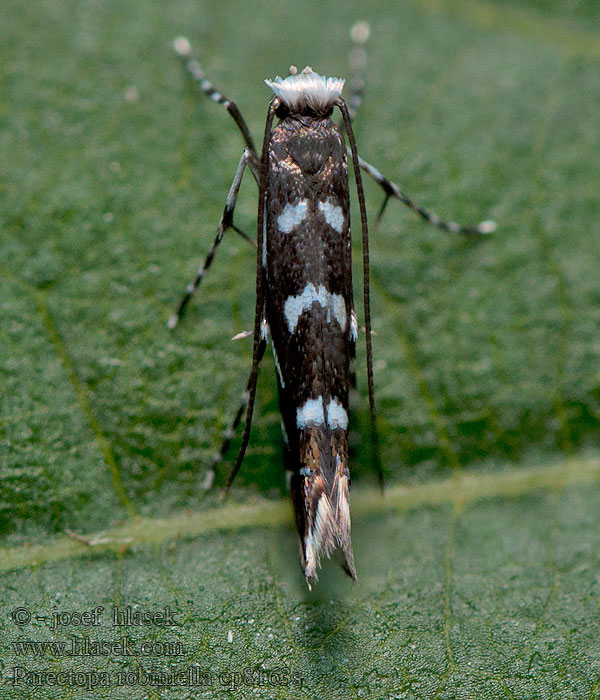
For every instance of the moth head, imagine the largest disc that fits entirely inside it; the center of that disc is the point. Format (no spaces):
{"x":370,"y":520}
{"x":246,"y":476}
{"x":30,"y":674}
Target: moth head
{"x":307,"y":92}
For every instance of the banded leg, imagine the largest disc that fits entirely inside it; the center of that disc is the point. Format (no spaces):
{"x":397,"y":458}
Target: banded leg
{"x":392,"y":190}
{"x":184,"y":51}
{"x":226,"y":222}
{"x":357,"y":60}
{"x":260,"y":325}
{"x":229,"y":434}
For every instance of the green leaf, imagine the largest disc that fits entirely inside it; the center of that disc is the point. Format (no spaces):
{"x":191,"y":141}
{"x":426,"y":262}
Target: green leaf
{"x":476,"y":586}
{"x":479,"y":569}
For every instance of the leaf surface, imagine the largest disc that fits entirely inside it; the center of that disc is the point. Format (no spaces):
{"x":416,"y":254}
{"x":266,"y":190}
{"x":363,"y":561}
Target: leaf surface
{"x":479,"y":570}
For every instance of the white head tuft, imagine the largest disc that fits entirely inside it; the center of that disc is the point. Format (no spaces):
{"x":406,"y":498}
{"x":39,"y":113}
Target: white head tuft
{"x":307,"y":89}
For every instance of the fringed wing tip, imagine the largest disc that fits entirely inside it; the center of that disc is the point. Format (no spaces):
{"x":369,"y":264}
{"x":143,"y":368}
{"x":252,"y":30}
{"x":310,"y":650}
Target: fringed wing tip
{"x":329,"y":530}
{"x":347,"y":564}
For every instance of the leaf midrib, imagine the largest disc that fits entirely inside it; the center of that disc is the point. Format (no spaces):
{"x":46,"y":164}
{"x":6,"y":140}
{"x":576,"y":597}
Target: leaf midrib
{"x":459,"y":488}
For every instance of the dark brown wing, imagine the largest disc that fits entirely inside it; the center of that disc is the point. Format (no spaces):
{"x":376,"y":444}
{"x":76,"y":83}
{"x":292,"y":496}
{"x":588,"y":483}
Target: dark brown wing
{"x":307,"y":257}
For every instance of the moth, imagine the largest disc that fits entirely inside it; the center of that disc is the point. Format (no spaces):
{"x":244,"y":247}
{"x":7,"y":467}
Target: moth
{"x":304,"y":301}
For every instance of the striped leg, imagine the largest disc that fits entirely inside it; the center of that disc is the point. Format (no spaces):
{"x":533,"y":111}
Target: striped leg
{"x":392,"y":190}
{"x":229,"y":434}
{"x":357,"y":59}
{"x":184,"y":51}
{"x":247,"y":159}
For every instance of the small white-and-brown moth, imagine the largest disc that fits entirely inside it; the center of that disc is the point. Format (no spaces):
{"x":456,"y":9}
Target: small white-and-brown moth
{"x":304,"y":297}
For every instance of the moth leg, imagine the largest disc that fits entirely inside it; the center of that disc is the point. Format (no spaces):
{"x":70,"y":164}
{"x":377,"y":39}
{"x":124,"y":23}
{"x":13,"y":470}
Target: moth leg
{"x":184,"y":51}
{"x":392,"y":190}
{"x":357,"y":60}
{"x":261,"y":327}
{"x":226,"y":222}
{"x":229,"y":434}
{"x":357,"y":64}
